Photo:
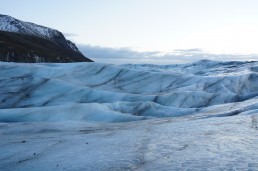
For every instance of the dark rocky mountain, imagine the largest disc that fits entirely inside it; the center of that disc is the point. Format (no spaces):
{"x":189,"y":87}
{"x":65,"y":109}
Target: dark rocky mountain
{"x":15,"y":47}
{"x":27,"y":42}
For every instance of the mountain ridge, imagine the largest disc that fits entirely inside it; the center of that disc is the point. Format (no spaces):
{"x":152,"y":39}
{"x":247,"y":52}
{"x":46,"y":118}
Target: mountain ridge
{"x":11,"y":28}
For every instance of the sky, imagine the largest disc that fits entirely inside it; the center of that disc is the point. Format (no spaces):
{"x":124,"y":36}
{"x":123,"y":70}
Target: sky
{"x":149,"y":29}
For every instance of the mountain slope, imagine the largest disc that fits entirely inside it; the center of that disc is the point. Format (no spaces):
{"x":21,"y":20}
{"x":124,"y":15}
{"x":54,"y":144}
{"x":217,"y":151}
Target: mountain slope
{"x":48,"y":44}
{"x":25,"y":48}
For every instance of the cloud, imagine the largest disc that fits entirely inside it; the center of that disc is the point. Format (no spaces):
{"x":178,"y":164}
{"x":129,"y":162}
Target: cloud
{"x":195,"y":50}
{"x":113,"y":53}
{"x":69,"y":34}
{"x":127,"y":55}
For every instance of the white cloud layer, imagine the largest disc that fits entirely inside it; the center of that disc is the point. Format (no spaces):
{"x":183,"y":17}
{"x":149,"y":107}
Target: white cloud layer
{"x":127,"y":55}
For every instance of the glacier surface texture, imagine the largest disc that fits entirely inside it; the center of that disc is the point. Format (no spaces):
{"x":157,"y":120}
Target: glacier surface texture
{"x":93,"y":116}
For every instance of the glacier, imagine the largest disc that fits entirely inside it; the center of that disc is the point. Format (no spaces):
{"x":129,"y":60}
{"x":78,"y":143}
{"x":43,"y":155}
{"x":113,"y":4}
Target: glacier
{"x":96,"y":116}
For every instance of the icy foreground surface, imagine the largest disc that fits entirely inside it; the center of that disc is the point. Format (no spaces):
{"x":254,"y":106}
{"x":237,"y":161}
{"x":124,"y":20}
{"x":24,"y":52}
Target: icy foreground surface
{"x":76,"y":116}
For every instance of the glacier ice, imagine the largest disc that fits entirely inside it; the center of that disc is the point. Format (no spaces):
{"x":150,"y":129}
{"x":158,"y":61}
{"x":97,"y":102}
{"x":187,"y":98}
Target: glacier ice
{"x":78,"y":116}
{"x":130,"y":91}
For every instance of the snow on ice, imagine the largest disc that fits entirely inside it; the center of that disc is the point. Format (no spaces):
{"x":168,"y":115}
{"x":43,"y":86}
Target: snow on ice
{"x":93,"y":116}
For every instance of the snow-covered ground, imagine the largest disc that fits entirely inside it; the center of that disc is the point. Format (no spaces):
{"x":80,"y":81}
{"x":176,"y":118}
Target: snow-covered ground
{"x":78,"y":116}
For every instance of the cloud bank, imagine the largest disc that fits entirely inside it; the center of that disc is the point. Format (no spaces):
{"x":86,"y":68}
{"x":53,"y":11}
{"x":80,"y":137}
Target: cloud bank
{"x":127,"y":55}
